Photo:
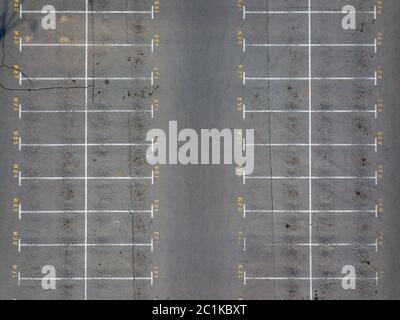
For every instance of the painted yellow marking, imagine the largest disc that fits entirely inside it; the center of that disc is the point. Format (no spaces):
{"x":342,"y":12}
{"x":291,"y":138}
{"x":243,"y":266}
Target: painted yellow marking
{"x":379,"y":72}
{"x":156,"y":272}
{"x":156,"y":73}
{"x":65,"y":19}
{"x":240,"y":271}
{"x":239,"y":171}
{"x":239,"y":38}
{"x":156,"y":205}
{"x":156,"y":6}
{"x":380,"y":171}
{"x":16,"y":71}
{"x":14,"y":271}
{"x":380,"y":239}
{"x":381,"y":208}
{"x":15,"y":205}
{"x":239,"y":137}
{"x":380,"y":138}
{"x":239,"y":104}
{"x":379,"y":39}
{"x":157,"y":236}
{"x":15,"y":238}
{"x":157,"y":172}
{"x":240,"y":71}
{"x":15,"y":137}
{"x":156,"y":103}
{"x":240,"y":4}
{"x":16,"y":37}
{"x":64,"y":39}
{"x":156,"y":39}
{"x":379,"y":105}
{"x":16,"y":6}
{"x":15,"y":170}
{"x":379,"y":7}
{"x":240,"y":237}
{"x":239,"y":140}
{"x":16,"y":104}
{"x":240,"y":203}
{"x":119,"y":173}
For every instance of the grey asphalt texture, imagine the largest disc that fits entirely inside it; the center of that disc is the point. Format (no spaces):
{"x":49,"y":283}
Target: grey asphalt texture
{"x":204,"y":245}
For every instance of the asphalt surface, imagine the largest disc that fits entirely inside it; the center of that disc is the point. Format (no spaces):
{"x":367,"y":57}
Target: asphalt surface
{"x":78,"y":194}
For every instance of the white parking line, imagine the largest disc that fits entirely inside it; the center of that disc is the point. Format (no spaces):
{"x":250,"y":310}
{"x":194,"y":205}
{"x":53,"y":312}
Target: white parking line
{"x":88,"y":111}
{"x":49,"y":111}
{"x":22,"y":213}
{"x":310,"y":189}
{"x":371,"y":145}
{"x":22,"y":78}
{"x":313,"y":244}
{"x":320,"y":212}
{"x":61,"y":145}
{"x":374,"y":111}
{"x":149,"y":12}
{"x":85,"y":178}
{"x":22,"y":45}
{"x":83,"y":45}
{"x":88,"y":279}
{"x":82,"y":211}
{"x":312,"y":178}
{"x":245,"y":79}
{"x":305,"y":45}
{"x":303,"y":12}
{"x":334,"y":278}
{"x":54,"y":245}
{"x":374,"y":178}
{"x":309,"y":12}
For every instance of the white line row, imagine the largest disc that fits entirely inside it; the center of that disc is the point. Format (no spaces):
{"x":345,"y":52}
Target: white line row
{"x":374,"y":178}
{"x":274,"y":145}
{"x":83,"y":45}
{"x":306,"y":45}
{"x":151,"y":278}
{"x":85,"y":178}
{"x":130,"y":211}
{"x":373,"y":111}
{"x":246,"y":278}
{"x":86,"y":147}
{"x":73,"y":145}
{"x":374,"y":78}
{"x":309,"y":12}
{"x":37,"y":111}
{"x":314,"y":244}
{"x":151,"y":79}
{"x":276,"y":211}
{"x":84,"y":245}
{"x":310,"y":189}
{"x":86,"y":12}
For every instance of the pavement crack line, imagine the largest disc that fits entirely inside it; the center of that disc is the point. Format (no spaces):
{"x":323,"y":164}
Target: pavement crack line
{"x":13,"y":68}
{"x":270,"y":157}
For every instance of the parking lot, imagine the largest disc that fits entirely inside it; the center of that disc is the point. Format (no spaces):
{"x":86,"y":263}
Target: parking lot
{"x":79,"y":195}
{"x":310,"y":89}
{"x":85,"y":205}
